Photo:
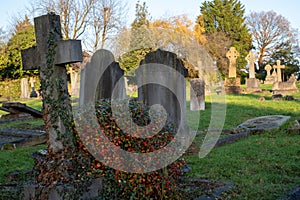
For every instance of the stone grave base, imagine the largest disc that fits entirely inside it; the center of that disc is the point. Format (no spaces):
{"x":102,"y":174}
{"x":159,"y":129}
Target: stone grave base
{"x":233,"y":90}
{"x":263,"y":123}
{"x":252,"y":85}
{"x":65,"y":191}
{"x":233,"y":86}
{"x":285,"y":88}
{"x":286,"y":92}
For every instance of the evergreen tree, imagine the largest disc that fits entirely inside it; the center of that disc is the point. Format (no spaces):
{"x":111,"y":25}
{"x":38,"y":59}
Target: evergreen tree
{"x":11,"y":61}
{"x":286,"y":54}
{"x":141,"y":39}
{"x":227,"y":16}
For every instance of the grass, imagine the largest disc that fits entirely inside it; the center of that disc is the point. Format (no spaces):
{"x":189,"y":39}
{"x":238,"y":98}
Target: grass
{"x":16,"y":160}
{"x":264,"y":166}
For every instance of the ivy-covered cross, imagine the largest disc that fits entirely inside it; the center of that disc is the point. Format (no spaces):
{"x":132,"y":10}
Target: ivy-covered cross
{"x":50,"y":56}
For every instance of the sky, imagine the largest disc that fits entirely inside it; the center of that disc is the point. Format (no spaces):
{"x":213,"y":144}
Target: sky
{"x":160,"y":8}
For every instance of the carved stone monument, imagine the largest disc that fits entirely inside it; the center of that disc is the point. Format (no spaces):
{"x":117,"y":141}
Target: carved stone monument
{"x":232,"y":55}
{"x":232,"y":83}
{"x":51,"y":54}
{"x":278,"y":68}
{"x":270,"y":78}
{"x":286,"y":88}
{"x":252,"y":84}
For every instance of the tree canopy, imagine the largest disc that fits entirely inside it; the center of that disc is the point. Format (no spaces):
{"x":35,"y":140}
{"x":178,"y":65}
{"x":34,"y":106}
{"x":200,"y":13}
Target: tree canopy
{"x":274,"y":39}
{"x":226,"y":19}
{"x":10,"y":60}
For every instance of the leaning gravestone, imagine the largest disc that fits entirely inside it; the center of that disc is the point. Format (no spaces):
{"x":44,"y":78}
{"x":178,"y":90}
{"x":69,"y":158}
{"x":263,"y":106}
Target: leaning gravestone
{"x":232,"y":83}
{"x":252,"y":84}
{"x":51,"y":54}
{"x":197,"y":94}
{"x":102,"y":67}
{"x":161,"y":80}
{"x":24,"y":88}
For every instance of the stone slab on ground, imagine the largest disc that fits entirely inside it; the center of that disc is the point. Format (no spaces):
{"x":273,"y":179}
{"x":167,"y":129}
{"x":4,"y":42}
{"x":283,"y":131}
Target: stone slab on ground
{"x":263,"y":123}
{"x":21,"y":137}
{"x":90,"y":190}
{"x":17,"y":107}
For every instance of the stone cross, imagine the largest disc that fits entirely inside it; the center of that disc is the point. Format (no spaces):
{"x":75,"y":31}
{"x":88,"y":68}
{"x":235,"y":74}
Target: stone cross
{"x":251,"y":58}
{"x":50,"y":56}
{"x":278,"y":68}
{"x":268,"y":69}
{"x":33,"y":92}
{"x":232,"y":55}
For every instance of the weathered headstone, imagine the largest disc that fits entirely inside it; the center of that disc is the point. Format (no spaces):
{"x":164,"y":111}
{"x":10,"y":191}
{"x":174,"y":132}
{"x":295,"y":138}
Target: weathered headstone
{"x":286,"y":88}
{"x":75,"y":74}
{"x":251,"y":58}
{"x":24,"y":88}
{"x":252,"y":84}
{"x":75,"y":82}
{"x":278,"y":68}
{"x":33,"y":93}
{"x":51,"y":53}
{"x":197,"y":94}
{"x":102,"y":67}
{"x":232,"y":83}
{"x":161,"y":80}
{"x":232,"y":55}
{"x":270,"y":79}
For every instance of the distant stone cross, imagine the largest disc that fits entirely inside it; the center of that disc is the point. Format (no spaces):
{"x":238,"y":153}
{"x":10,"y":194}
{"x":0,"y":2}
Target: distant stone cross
{"x":232,"y":55}
{"x":33,"y":92}
{"x":268,"y":69}
{"x":251,"y":58}
{"x":278,"y":68}
{"x":49,"y":56}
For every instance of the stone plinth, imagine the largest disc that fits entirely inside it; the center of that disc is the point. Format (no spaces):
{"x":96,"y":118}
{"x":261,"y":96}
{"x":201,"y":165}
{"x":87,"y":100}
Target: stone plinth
{"x":286,"y":88}
{"x":233,"y":86}
{"x":252,"y":85}
{"x":269,"y":80}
